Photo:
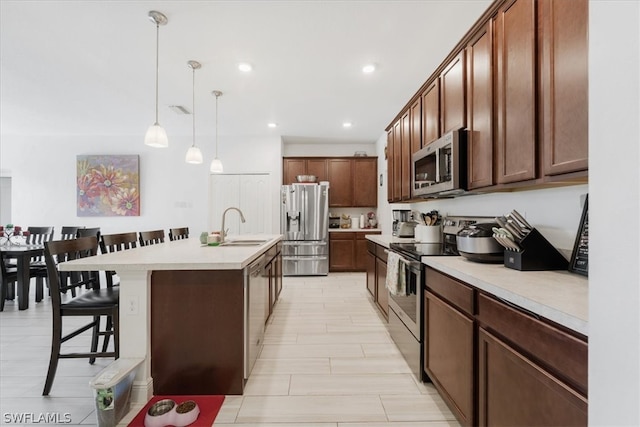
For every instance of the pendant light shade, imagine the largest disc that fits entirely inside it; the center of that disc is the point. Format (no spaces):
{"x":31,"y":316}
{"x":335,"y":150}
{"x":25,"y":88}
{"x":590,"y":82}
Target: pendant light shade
{"x":194,"y":155}
{"x":216,"y":164}
{"x":156,"y":136}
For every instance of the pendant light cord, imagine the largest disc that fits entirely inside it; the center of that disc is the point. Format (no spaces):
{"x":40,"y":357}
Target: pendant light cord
{"x":217,"y":96}
{"x":193,"y":106}
{"x":157,"y":66}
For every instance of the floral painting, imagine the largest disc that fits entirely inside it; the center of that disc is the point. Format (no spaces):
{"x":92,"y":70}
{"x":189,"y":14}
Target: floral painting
{"x":108,"y":185}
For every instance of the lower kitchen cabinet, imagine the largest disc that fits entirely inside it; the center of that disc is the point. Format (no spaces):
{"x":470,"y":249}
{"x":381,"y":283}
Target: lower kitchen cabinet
{"x":348,"y":250}
{"x":273,"y":272}
{"x":377,"y":276}
{"x":449,"y":330}
{"x":514,"y":390}
{"x":496,"y":364}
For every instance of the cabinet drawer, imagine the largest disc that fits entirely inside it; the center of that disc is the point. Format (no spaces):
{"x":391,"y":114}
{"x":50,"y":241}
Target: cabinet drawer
{"x":451,"y":290}
{"x":371,"y":247}
{"x":563,"y":354}
{"x":381,"y":252}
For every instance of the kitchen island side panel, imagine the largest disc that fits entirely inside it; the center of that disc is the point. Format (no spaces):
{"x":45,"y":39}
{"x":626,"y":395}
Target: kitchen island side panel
{"x":197,"y":332}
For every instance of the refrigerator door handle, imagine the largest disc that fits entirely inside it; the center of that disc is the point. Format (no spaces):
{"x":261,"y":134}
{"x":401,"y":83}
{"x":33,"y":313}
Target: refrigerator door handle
{"x":304,"y":258}
{"x":304,"y":243}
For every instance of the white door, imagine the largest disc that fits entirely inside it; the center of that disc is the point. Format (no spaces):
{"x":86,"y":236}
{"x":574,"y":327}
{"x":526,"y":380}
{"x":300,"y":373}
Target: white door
{"x":251,"y":193}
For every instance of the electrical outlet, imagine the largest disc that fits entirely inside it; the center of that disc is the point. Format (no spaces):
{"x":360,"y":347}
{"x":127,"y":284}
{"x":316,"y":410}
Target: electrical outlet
{"x":133,"y":305}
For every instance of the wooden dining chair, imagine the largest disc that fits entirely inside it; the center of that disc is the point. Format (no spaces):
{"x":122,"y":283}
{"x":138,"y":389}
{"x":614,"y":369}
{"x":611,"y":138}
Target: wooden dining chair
{"x":8,"y":280}
{"x":92,"y":301}
{"x":86,"y":232}
{"x":114,"y":243}
{"x":151,"y":237}
{"x":38,"y":268}
{"x":69,"y":232}
{"x":178,"y":233}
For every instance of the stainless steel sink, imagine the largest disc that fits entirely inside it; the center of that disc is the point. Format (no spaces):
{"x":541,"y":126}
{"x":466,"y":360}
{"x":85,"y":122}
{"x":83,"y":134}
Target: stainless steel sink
{"x":243,"y":242}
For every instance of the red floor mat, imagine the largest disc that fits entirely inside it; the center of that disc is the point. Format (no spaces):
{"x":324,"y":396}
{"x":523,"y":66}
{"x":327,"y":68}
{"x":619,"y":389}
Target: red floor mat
{"x":209,"y":407}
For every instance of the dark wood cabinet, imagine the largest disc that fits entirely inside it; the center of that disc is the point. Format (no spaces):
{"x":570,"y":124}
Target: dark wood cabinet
{"x":273,"y":272}
{"x":515,"y":39}
{"x":389,"y":155}
{"x":371,"y":270}
{"x":365,"y":182}
{"x":415,"y":131}
{"x":396,"y":181}
{"x":405,"y":156}
{"x":452,"y":95}
{"x":479,"y":53}
{"x":515,"y":390}
{"x":449,"y":331}
{"x":377,"y":276}
{"x":348,"y":250}
{"x":353,"y":180}
{"x":431,"y":112}
{"x":292,"y":167}
{"x":564,"y":85}
{"x":340,"y":178}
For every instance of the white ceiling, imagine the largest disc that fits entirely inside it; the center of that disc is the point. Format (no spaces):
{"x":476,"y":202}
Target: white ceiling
{"x":88,"y":67}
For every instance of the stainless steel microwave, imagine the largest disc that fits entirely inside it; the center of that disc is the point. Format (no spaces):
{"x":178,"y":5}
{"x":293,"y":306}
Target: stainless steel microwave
{"x":440,"y":168}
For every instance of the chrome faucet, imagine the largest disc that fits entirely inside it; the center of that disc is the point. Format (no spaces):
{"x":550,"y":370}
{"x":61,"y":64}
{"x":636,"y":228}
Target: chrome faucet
{"x":223,"y":232}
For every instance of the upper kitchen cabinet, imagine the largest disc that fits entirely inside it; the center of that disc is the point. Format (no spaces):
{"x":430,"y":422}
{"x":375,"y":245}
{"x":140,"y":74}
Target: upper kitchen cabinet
{"x":452,"y":95}
{"x":389,"y":156}
{"x":431,"y":112}
{"x":515,"y":39}
{"x":564,"y":85}
{"x":415,"y":127}
{"x":396,"y":178}
{"x":479,"y":54}
{"x":340,"y":182}
{"x":405,"y":150}
{"x":294,"y":166}
{"x":353,"y":181}
{"x":365,"y":179}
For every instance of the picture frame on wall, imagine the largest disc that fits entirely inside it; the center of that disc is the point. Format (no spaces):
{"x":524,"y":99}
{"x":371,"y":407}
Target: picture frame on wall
{"x":108,"y":185}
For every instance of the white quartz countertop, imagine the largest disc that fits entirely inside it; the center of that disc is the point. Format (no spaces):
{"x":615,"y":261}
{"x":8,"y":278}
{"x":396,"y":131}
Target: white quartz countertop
{"x":385,"y":239}
{"x":355,"y":230}
{"x":186,"y":254}
{"x":559,"y":296}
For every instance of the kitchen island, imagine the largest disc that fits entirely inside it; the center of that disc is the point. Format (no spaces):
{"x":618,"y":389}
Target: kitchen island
{"x":194,"y":314}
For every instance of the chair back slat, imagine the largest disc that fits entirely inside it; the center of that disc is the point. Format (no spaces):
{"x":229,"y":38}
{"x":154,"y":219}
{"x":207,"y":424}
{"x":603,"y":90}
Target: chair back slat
{"x":118,"y":242}
{"x":57,"y":251}
{"x":69,"y":232}
{"x":151,"y":237}
{"x":178,"y":233}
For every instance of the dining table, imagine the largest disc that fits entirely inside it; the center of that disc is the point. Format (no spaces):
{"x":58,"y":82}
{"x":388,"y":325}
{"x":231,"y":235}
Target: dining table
{"x":23,"y":254}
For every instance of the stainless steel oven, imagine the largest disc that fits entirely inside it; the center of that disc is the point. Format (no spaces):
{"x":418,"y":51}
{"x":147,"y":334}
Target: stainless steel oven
{"x":405,"y":317}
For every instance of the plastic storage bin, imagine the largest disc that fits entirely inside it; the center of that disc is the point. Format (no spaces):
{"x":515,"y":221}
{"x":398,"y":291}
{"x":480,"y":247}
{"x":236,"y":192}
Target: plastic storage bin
{"x":112,"y":390}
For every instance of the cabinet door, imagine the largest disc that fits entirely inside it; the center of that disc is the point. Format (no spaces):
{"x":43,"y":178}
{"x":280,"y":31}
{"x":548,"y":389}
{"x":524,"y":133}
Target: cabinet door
{"x":448,"y":355}
{"x":405,"y":135}
{"x":340,"y":181}
{"x":371,"y":274}
{"x":341,"y":251}
{"x":431,"y":113}
{"x":292,"y":168}
{"x":513,"y":390}
{"x":397,"y":161}
{"x":382,"y":294}
{"x":564,"y":85}
{"x":515,"y":38}
{"x":389,"y":155}
{"x":452,"y":109}
{"x":317,"y":167}
{"x":415,"y":132}
{"x":479,"y":53}
{"x":365,"y":182}
{"x":360,"y":263}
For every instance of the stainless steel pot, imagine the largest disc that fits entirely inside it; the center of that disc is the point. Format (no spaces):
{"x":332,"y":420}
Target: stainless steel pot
{"x":476,"y":243}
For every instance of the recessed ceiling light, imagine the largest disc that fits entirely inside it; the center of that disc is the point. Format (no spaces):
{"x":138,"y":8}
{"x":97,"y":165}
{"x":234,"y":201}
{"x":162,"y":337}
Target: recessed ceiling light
{"x":272,"y":125}
{"x":245,"y":67}
{"x":346,"y":125}
{"x":369,"y":68}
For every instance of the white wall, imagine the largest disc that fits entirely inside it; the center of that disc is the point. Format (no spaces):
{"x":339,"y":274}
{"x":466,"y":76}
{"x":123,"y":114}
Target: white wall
{"x":173,"y":193}
{"x":614,"y":213}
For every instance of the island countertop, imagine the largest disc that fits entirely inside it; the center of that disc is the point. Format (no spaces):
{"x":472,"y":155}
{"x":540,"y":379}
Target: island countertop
{"x":185,"y":254}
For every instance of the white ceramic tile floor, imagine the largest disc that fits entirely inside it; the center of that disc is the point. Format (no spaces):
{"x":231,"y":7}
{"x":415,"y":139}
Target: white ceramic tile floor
{"x":327,"y":361}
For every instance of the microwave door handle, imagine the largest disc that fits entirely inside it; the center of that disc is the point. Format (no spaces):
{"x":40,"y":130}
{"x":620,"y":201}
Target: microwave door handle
{"x":437,"y":153}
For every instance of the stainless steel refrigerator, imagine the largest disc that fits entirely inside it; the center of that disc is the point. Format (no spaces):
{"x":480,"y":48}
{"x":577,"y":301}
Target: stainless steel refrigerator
{"x":304,"y":222}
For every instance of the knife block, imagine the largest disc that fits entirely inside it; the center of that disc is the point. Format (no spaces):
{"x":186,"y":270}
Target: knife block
{"x":536,"y":254}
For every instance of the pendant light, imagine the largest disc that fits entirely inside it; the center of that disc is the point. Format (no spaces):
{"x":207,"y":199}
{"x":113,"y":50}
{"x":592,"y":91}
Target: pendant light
{"x":216,"y":164}
{"x":156,"y":136}
{"x":194,"y":155}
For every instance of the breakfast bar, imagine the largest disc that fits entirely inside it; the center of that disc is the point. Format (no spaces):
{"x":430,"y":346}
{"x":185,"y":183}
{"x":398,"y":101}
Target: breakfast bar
{"x":199,"y":311}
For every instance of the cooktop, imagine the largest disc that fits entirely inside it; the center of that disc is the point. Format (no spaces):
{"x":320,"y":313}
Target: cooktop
{"x":418,"y":250}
